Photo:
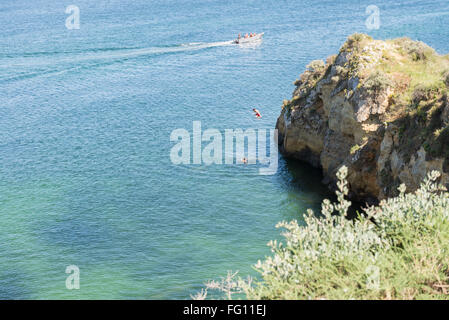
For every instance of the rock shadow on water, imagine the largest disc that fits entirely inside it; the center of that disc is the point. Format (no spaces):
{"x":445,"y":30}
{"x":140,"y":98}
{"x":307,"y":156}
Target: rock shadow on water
{"x":305,"y":187}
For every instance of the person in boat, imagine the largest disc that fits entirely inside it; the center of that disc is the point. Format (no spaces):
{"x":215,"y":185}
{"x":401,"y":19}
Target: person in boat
{"x":246,"y":36}
{"x":257,"y":113}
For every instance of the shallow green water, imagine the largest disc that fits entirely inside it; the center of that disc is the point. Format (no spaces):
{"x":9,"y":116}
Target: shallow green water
{"x":85,"y":122}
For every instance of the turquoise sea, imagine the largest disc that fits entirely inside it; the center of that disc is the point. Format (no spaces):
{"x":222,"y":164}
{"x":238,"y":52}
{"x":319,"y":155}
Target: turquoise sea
{"x":85,"y":122}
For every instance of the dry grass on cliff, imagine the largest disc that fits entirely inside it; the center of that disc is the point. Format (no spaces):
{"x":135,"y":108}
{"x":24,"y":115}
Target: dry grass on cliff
{"x":415,"y":66}
{"x":403,"y":65}
{"x":397,"y":250}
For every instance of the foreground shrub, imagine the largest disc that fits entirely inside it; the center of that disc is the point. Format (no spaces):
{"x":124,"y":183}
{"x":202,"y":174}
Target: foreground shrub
{"x":397,"y":250}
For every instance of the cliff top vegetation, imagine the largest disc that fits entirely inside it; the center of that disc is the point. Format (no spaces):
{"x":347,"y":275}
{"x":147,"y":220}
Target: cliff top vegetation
{"x":411,"y":76}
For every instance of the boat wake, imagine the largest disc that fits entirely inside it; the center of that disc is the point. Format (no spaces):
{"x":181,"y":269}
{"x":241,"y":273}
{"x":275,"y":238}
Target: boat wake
{"x":30,"y":65}
{"x":193,"y":46}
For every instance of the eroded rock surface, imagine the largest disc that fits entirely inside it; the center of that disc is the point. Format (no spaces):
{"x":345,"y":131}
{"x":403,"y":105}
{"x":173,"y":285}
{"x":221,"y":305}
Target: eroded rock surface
{"x":379,"y":107}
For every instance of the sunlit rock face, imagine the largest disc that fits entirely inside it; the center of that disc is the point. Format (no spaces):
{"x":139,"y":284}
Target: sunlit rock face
{"x":381,"y":108}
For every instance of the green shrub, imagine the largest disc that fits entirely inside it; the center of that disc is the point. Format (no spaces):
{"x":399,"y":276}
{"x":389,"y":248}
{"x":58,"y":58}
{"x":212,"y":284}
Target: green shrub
{"x":426,"y":92}
{"x":377,"y":82}
{"x":421,"y":93}
{"x":315,"y":66}
{"x":418,"y":50}
{"x":397,"y":250}
{"x":446,"y":78}
{"x":439,"y":147}
{"x":355,"y":40}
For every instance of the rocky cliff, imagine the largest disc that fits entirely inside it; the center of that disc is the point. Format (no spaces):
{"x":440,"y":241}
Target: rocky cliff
{"x":379,"y":107}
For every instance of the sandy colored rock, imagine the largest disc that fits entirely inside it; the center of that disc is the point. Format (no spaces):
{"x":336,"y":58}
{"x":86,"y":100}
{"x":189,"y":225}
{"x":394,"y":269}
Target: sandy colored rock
{"x":367,"y":108}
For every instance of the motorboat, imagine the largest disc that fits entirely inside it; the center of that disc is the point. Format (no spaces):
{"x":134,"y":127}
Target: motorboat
{"x":243,"y":40}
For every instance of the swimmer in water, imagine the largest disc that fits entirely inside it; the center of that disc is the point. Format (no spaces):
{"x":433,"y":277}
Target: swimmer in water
{"x":245,"y":161}
{"x":257,"y":113}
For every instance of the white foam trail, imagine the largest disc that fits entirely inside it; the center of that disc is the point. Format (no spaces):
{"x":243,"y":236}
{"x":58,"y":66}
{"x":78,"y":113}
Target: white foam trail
{"x":126,"y":53}
{"x":73,"y":61}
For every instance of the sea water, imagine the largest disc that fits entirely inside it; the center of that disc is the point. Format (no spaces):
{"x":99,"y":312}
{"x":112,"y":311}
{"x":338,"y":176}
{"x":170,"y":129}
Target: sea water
{"x":86,"y":116}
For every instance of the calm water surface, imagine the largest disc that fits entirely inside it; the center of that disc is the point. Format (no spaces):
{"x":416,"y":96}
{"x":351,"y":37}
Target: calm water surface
{"x":85,"y":123}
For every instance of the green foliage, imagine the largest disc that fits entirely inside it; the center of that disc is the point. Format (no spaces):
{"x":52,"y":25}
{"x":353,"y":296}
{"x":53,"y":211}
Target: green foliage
{"x":355,"y":41}
{"x":420,"y":93}
{"x":419,"y":53}
{"x":439,"y":145}
{"x":412,"y":70}
{"x":417,"y":50}
{"x":377,"y":82}
{"x":312,"y":75}
{"x":397,"y":250}
{"x":425,"y":92}
{"x":446,"y":78}
{"x":417,"y":71}
{"x":403,"y":255}
{"x":315,"y":66}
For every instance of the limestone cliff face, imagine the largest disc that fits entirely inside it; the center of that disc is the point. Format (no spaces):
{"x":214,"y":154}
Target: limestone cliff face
{"x":379,"y":107}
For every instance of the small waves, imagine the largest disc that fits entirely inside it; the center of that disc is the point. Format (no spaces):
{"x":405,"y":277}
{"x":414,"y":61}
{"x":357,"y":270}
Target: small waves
{"x":30,"y":65}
